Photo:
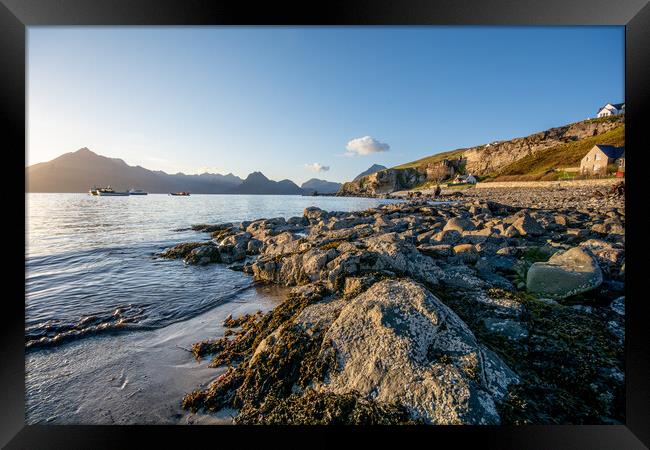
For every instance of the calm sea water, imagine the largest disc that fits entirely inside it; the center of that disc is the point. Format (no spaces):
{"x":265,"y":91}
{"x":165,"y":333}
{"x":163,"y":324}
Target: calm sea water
{"x":90,"y":264}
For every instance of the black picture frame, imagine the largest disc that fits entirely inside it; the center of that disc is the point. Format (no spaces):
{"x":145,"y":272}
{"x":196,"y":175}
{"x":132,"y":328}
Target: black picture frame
{"x":16,"y":15}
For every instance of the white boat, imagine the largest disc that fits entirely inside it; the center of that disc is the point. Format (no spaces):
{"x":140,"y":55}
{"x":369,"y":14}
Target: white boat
{"x":137,"y":192}
{"x":110,"y":192}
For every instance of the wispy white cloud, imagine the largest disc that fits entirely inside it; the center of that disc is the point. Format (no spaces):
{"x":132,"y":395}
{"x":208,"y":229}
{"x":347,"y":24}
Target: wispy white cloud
{"x":317,"y":167}
{"x":365,"y":146}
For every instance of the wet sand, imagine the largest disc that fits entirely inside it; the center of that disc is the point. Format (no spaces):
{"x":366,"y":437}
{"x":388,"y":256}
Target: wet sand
{"x":132,"y":378}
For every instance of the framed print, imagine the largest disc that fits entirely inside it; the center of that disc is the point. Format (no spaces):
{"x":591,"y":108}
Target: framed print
{"x":365,"y":217}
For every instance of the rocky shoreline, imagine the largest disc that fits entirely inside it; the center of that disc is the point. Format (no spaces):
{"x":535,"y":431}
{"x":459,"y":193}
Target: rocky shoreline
{"x":499,"y":307}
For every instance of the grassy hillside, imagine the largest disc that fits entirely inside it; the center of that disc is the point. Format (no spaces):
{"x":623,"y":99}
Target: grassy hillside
{"x":538,"y":156}
{"x":452,"y":154}
{"x":541,"y":165}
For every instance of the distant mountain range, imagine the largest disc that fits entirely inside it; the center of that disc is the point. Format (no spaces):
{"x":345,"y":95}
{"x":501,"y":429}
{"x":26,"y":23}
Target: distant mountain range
{"x":79,"y":171}
{"x":372,"y":169}
{"x":320,"y":186}
{"x":257,"y":183}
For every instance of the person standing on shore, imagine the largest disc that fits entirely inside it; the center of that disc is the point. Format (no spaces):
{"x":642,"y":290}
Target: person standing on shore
{"x":437,"y":191}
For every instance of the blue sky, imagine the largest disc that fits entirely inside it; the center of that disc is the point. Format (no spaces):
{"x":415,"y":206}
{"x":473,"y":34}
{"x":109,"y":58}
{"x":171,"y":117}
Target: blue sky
{"x":277,"y":99}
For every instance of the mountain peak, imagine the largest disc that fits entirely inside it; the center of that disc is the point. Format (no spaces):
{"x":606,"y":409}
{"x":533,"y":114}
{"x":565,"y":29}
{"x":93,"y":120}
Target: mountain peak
{"x":322,"y":186}
{"x":257,"y":183}
{"x":255,"y":176}
{"x":372,"y":169}
{"x":76,"y":171}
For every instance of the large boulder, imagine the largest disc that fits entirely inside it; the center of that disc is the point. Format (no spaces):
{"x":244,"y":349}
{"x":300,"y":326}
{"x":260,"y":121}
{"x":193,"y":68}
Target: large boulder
{"x":203,"y":255}
{"x":446,"y":237}
{"x":425,"y":238}
{"x":397,"y":342}
{"x":441,"y":250}
{"x":254,"y":247}
{"x":466,"y":253}
{"x":527,"y":226}
{"x":314,"y":260}
{"x":315,"y":214}
{"x":609,"y":256}
{"x":459,"y":224}
{"x":211,"y":228}
{"x":335,"y":223}
{"x":287,"y":271}
{"x":298,"y":221}
{"x":182,"y":250}
{"x":285,"y":243}
{"x":390,"y":252}
{"x":234,"y":247}
{"x":477,"y":236}
{"x":565,"y":274}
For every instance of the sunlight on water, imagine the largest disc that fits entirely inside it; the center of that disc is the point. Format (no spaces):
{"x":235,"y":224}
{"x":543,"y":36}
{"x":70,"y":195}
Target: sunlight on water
{"x":90,"y":260}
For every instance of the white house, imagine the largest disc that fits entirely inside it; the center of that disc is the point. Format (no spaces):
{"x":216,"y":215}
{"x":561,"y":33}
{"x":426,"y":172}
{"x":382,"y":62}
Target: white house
{"x":611,"y":109}
{"x":465,"y":179}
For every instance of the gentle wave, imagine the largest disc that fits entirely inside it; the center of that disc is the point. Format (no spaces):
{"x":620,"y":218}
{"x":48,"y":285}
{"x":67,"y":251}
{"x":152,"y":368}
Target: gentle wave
{"x":123,"y":318}
{"x":51,"y":333}
{"x":91,"y":266}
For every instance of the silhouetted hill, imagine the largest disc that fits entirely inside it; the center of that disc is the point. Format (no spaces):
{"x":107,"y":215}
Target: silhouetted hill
{"x":78,"y":171}
{"x":372,"y":169}
{"x":257,"y":183}
{"x":321,"y":186}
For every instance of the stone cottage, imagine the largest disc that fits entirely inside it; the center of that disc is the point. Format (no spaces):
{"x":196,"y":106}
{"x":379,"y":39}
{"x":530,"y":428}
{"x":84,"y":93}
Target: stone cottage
{"x":600,"y":156}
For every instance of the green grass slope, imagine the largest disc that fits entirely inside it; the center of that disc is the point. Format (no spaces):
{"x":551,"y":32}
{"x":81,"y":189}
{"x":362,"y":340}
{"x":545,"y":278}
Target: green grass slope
{"x":543,"y":164}
{"x":573,"y":149}
{"x":452,"y":154}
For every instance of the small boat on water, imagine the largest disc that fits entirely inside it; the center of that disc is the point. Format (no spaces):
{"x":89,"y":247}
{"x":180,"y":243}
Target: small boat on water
{"x":182,"y":193}
{"x":137,"y":192}
{"x":93,"y":190}
{"x":108,"y":192}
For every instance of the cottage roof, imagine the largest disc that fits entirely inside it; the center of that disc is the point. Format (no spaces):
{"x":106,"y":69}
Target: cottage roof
{"x":611,"y":151}
{"x":618,"y":106}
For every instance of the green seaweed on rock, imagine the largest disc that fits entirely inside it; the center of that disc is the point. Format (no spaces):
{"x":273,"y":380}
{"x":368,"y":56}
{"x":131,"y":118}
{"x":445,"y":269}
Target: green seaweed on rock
{"x":560,"y":363}
{"x":319,"y":408}
{"x":276,"y":383}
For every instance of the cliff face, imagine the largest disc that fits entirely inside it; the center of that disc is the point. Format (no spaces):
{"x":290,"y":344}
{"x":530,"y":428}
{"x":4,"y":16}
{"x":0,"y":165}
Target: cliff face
{"x":480,"y":160}
{"x":487,"y":159}
{"x":391,"y":180}
{"x":384,"y":182}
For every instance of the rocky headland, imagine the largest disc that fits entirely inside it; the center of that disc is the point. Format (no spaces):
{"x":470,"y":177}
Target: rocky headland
{"x":493,"y":307}
{"x":532,"y":157}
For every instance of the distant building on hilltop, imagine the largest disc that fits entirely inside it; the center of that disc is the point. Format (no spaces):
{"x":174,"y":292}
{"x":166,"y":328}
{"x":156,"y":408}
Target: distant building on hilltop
{"x":600,"y":156}
{"x":611,"y":109}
